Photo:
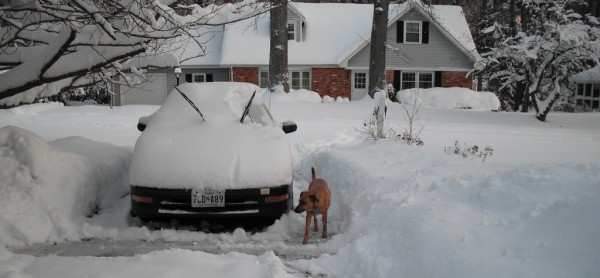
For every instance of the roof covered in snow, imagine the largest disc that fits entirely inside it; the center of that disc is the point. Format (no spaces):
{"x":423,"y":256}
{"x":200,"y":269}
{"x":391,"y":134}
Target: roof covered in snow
{"x":331,"y":34}
{"x":590,"y":75}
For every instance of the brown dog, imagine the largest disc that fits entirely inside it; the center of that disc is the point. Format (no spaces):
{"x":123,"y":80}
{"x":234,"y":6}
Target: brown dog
{"x":314,"y":201}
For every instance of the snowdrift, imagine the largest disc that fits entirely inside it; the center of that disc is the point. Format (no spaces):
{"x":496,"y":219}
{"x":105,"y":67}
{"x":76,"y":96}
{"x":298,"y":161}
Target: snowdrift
{"x":452,"y":98}
{"x":403,"y":216}
{"x":47,"y":189}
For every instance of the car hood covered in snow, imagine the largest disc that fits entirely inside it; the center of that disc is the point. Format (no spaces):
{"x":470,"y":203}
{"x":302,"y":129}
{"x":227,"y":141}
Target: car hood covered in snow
{"x":178,"y":149}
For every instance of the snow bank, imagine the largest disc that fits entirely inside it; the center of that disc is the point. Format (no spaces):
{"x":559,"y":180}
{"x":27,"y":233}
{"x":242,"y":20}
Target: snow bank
{"x":33,"y":109}
{"x":279,"y":95}
{"x":170,"y":263}
{"x":403,"y":214}
{"x":47,"y":189}
{"x":452,"y":98}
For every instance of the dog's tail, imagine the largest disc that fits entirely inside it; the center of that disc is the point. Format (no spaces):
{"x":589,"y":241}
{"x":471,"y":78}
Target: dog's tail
{"x":314,"y":175}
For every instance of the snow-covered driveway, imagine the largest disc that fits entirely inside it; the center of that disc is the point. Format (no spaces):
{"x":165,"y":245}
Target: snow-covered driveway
{"x":530,"y":210}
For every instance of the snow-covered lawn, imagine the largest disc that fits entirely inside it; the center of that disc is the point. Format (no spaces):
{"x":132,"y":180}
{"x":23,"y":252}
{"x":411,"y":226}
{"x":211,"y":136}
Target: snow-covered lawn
{"x":530,"y":210}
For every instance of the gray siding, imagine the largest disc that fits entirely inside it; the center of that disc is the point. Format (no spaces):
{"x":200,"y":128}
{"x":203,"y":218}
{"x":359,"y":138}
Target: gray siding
{"x":296,"y":19}
{"x":219,"y":75}
{"x":440,"y":52}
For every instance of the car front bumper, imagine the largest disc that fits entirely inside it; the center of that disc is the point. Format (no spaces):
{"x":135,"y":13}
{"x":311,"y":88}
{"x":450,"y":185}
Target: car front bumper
{"x":150,"y":203}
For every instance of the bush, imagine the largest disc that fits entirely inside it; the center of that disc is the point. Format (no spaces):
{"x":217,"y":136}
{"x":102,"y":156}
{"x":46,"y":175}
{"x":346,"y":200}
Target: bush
{"x":469,"y":152}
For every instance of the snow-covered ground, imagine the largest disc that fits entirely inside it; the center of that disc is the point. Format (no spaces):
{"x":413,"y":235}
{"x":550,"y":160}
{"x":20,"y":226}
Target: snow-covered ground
{"x":530,"y":210}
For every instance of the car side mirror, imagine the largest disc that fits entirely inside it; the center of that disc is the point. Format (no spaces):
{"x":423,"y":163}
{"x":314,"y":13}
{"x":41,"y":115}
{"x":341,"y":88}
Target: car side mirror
{"x":142,"y":122}
{"x":289,"y":126}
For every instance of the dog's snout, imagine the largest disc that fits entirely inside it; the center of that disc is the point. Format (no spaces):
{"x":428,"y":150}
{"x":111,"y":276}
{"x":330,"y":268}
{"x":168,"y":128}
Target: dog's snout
{"x":299,"y":209}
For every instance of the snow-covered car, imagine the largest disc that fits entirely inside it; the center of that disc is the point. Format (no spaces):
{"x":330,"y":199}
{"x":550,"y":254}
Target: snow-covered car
{"x":212,"y":150}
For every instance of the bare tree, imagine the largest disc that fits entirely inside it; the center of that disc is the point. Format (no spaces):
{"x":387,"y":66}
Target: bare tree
{"x":51,"y":46}
{"x":278,"y":58}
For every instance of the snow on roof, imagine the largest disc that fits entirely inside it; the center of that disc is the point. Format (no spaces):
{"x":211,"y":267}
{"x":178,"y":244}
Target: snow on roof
{"x":206,"y":50}
{"x":327,"y":35}
{"x":452,"y":19}
{"x":331,"y":33}
{"x":590,"y":75}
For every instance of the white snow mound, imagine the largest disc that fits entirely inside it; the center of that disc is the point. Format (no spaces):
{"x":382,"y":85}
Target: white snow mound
{"x":47,"y":189}
{"x":452,"y":98}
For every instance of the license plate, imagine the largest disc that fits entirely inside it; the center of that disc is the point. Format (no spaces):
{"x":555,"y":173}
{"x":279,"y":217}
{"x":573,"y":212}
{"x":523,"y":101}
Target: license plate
{"x":208,"y":198}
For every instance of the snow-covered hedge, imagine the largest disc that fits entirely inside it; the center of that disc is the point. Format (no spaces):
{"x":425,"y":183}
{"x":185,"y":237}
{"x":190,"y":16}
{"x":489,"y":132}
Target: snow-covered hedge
{"x":452,"y":98}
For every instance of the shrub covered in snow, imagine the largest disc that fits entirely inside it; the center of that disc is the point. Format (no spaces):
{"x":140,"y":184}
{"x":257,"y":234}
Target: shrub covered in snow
{"x":452,"y":98}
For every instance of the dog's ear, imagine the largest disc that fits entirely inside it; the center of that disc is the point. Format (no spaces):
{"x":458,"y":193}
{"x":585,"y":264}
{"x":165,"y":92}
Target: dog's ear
{"x":314,"y":198}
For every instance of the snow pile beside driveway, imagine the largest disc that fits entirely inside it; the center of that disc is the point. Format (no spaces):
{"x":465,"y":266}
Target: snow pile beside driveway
{"x":407,"y":212}
{"x":47,"y":189}
{"x":170,"y":263}
{"x":452,"y":98}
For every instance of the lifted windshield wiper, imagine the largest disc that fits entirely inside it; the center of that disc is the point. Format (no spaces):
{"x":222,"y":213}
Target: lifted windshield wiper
{"x":247,"y":109}
{"x":190,"y":102}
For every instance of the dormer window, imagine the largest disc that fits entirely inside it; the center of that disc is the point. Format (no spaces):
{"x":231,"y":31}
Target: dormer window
{"x":291,"y":31}
{"x":412,"y":32}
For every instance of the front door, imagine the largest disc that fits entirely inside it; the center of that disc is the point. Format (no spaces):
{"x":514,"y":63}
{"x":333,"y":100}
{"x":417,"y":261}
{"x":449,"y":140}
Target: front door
{"x":360,"y":84}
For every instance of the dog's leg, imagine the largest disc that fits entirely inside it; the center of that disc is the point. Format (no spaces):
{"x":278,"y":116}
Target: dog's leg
{"x":324,"y":217}
{"x":316,"y":229}
{"x":307,"y":230}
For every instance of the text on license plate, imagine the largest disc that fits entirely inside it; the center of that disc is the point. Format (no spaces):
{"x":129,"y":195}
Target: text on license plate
{"x":208,"y":198}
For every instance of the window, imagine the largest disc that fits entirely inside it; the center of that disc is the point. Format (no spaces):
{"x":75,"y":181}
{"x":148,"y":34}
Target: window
{"x":199,"y":78}
{"x":360,"y":80}
{"x":290,"y":31}
{"x":412,"y":32}
{"x":408,"y":80}
{"x":580,"y":89}
{"x":264,"y":79}
{"x":426,"y":80}
{"x":588,"y":90}
{"x":422,"y":80}
{"x":588,"y":95}
{"x":300,"y":80}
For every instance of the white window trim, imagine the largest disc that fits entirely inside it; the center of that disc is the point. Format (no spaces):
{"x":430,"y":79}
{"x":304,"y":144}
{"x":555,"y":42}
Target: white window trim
{"x":293,"y":32}
{"x":354,"y":83}
{"x":289,"y":76}
{"x":417,"y":78}
{"x":591,"y":98}
{"x":301,"y":71}
{"x":197,"y":74}
{"x":260,"y":72}
{"x":406,"y":22}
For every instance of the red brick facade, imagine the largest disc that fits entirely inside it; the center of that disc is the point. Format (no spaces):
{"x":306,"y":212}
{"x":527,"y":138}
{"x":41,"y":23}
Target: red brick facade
{"x":456,"y":79}
{"x":249,"y":75}
{"x":334,"y":82}
{"x":389,"y":77}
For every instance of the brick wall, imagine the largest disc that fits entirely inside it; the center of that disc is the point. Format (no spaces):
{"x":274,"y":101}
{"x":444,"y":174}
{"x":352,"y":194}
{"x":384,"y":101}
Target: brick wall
{"x":333,"y":82}
{"x":456,"y":79}
{"x":245,"y":74}
{"x":389,"y":77}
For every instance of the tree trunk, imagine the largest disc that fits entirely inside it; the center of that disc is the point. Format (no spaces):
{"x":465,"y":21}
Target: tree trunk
{"x":278,"y":58}
{"x":521,"y":97}
{"x":377,"y":78}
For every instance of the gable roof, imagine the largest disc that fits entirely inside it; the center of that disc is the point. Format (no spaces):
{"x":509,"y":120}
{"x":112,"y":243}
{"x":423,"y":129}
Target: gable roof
{"x":448,"y":19}
{"x":332,"y":33}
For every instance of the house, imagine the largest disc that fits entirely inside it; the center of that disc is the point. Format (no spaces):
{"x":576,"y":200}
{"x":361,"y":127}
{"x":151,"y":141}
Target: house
{"x":328,"y":51}
{"x":587,"y":90}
